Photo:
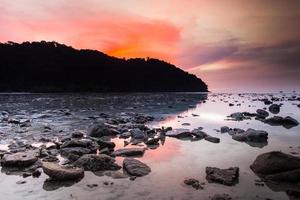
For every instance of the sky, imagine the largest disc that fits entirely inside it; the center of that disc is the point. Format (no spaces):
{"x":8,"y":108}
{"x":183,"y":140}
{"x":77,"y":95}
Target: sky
{"x":233,"y":45}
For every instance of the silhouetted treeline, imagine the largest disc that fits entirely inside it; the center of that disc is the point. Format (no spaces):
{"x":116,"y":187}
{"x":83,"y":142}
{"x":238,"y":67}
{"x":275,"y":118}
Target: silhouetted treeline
{"x":53,"y":67}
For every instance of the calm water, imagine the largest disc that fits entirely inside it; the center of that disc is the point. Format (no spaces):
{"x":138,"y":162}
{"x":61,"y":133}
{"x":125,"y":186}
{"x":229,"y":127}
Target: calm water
{"x":171,"y":162}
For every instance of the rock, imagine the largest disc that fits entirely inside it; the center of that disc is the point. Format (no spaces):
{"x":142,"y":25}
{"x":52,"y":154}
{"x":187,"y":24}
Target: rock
{"x":62,"y":173}
{"x":186,"y":124}
{"x":212,"y":139}
{"x":287,"y":122}
{"x":129,"y":152}
{"x":105,"y":144}
{"x":274,"y":108}
{"x":223,"y":176}
{"x":136,"y":133}
{"x":84,"y":143}
{"x":93,"y":162}
{"x":20,"y":182}
{"x":115,"y":174}
{"x":100,"y":130}
{"x":198,"y":133}
{"x":77,"y":135}
{"x":251,"y":135}
{"x":221,"y":197}
{"x":194,"y":183}
{"x":225,"y":129}
{"x":262,"y":113}
{"x":125,"y":135}
{"x":135,"y":167}
{"x":153,"y":141}
{"x":20,"y":159}
{"x":238,"y":116}
{"x":275,"y":162}
{"x":179,"y":133}
{"x":73,"y":153}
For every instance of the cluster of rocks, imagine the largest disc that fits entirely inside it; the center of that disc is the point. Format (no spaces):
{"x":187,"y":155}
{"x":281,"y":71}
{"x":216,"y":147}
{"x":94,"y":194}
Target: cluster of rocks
{"x":196,"y":134}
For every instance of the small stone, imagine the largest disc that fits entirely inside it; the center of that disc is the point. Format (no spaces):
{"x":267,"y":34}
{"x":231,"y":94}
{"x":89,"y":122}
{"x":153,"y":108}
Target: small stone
{"x":129,"y":152}
{"x":223,"y":176}
{"x":135,"y":167}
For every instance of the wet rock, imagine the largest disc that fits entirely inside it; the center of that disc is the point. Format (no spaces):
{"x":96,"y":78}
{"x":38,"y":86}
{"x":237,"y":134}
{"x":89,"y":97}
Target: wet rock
{"x":179,"y":133}
{"x":186,"y":124}
{"x":262,"y":113}
{"x":223,"y":176}
{"x":84,"y":143}
{"x":105,"y":144}
{"x":280,"y":171}
{"x":73,"y":153}
{"x":238,"y":116}
{"x":129,"y":152}
{"x":251,"y":135}
{"x":287,"y":122}
{"x":93,"y":162}
{"x":212,"y":139}
{"x":221,"y":197}
{"x":275,"y":162}
{"x":62,"y":173}
{"x":20,"y":159}
{"x":100,"y":129}
{"x":225,"y":129}
{"x":198,"y":133}
{"x":125,"y":135}
{"x":135,"y":167}
{"x":274,"y":108}
{"x":77,"y":135}
{"x":136,"y":133}
{"x":194,"y":183}
{"x":153,"y":141}
{"x":21,"y":182}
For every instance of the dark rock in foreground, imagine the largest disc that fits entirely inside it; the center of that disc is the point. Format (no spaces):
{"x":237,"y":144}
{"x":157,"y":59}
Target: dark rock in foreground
{"x":62,"y":173}
{"x":223,"y":176}
{"x":274,"y":108}
{"x":135,"y":167}
{"x":46,"y":67}
{"x":287,"y":122}
{"x":100,"y":130}
{"x":92,"y":162}
{"x":194,"y":183}
{"x":280,"y":171}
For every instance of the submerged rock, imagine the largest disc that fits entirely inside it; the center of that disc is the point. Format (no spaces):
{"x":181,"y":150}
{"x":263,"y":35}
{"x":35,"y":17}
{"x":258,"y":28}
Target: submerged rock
{"x":223,"y":176}
{"x":62,"y":173}
{"x":194,"y":183}
{"x":20,"y":159}
{"x":129,"y":152}
{"x":135,"y":167}
{"x":198,"y":133}
{"x":221,"y":197}
{"x":93,"y":162}
{"x":212,"y":139}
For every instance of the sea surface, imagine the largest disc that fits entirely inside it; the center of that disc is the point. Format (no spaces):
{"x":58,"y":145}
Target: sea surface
{"x":171,"y":163}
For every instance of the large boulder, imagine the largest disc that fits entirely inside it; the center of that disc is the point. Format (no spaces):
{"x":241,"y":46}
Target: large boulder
{"x":101,"y":129}
{"x":287,"y":122}
{"x":223,"y":176}
{"x":62,"y":173}
{"x":84,"y":143}
{"x":135,"y":167}
{"x":129,"y":152}
{"x":275,"y":162}
{"x":93,"y":162}
{"x":19,"y":160}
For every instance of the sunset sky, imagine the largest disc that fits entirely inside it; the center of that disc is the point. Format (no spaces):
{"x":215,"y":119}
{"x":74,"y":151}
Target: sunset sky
{"x":233,"y":45}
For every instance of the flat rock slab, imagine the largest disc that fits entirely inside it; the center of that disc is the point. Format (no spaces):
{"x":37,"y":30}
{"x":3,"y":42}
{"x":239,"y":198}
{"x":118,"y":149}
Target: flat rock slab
{"x":135,"y":167}
{"x":93,"y":162}
{"x":129,"y":152}
{"x":20,"y":159}
{"x":212,"y":139}
{"x":223,"y":176}
{"x":62,"y":173}
{"x":179,"y":133}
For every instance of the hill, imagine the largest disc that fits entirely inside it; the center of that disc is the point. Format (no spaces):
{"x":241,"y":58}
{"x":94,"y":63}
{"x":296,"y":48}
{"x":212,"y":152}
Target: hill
{"x":53,"y":67}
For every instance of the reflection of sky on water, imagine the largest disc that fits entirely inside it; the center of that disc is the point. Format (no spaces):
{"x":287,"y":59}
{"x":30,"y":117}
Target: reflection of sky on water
{"x":176,"y":160}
